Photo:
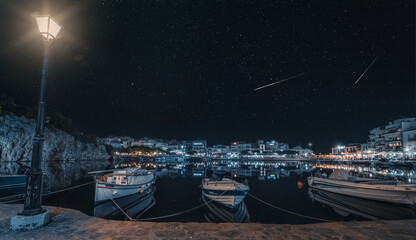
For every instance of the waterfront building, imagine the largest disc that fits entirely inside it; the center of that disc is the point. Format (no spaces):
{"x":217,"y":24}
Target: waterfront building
{"x":353,"y":148}
{"x":116,"y":142}
{"x":274,"y":147}
{"x":146,"y":142}
{"x":399,"y":135}
{"x":176,"y":148}
{"x":151,"y":143}
{"x":338,"y":150}
{"x":198,"y":146}
{"x":351,"y":151}
{"x":220,"y":149}
{"x":261,"y":146}
{"x":161,"y":145}
{"x":304,"y":152}
{"x":238,"y":147}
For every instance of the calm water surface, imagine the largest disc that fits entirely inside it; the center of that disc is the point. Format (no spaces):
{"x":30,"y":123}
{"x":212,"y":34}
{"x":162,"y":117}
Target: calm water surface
{"x":179,"y":193}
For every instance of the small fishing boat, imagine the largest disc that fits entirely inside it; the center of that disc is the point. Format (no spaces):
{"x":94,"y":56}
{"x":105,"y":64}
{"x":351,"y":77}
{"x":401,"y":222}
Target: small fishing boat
{"x":217,"y":213}
{"x":373,"y":210}
{"x":226,"y":191}
{"x":373,"y":189}
{"x":134,"y":205}
{"x":121,"y":183}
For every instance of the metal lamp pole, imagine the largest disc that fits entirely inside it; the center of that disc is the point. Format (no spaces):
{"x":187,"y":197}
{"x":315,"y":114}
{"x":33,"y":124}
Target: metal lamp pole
{"x":48,"y":28}
{"x":34,"y":180}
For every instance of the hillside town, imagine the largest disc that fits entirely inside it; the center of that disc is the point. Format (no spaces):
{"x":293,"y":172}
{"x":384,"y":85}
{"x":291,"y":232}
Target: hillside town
{"x":394,"y":141}
{"x":152,"y":146}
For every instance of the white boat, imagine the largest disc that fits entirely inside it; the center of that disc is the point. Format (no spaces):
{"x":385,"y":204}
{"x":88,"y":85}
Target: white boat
{"x":216,"y":213}
{"x":373,"y":210}
{"x":367,"y":188}
{"x":134,"y":205}
{"x":122,"y":183}
{"x":225,"y":191}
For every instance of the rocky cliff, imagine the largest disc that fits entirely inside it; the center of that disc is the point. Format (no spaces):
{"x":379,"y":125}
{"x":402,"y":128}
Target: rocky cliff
{"x":65,"y":160}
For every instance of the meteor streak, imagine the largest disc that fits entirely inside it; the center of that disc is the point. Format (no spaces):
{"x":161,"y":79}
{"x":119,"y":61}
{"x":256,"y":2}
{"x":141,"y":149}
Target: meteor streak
{"x":284,"y":80}
{"x":365,"y":71}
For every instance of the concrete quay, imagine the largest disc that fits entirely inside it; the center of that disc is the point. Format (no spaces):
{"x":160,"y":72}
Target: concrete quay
{"x":72,"y":224}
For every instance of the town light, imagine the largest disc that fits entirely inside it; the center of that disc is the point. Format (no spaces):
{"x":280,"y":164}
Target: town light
{"x":48,"y":27}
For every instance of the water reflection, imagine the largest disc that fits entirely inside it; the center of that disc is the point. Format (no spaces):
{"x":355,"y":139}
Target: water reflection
{"x":346,"y":205}
{"x":277,"y":182}
{"x":133,"y":205}
{"x":216,"y":213}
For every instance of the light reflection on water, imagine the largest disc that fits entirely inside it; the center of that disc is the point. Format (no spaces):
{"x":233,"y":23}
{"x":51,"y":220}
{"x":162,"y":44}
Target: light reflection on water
{"x":274,"y":182}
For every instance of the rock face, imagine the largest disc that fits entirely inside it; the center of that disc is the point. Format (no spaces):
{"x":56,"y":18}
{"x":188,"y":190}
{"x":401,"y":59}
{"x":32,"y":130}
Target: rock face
{"x":65,"y":160}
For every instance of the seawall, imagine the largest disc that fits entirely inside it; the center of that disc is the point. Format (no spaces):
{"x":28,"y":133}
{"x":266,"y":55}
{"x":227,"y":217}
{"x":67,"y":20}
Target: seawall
{"x":72,"y":224}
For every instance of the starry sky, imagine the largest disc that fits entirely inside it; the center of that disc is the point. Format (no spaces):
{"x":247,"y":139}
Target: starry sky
{"x":188,"y":69}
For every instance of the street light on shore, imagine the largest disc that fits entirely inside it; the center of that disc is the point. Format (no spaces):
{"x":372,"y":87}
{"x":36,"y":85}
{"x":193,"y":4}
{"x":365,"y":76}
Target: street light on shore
{"x":48,"y":27}
{"x":33,"y":215}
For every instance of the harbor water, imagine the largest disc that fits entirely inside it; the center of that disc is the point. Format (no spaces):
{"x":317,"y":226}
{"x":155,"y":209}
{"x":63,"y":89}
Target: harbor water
{"x":281,"y":187}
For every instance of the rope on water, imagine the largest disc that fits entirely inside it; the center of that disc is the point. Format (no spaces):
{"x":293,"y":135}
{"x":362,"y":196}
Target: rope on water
{"x":170,"y":215}
{"x":58,"y":191}
{"x":9,"y":197}
{"x":130,"y":218}
{"x":12,"y":201}
{"x":287,"y":211}
{"x":70,"y":188}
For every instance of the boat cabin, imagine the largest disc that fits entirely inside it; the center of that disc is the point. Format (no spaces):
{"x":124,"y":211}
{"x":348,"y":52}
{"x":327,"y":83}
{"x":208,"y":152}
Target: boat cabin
{"x":120,"y":178}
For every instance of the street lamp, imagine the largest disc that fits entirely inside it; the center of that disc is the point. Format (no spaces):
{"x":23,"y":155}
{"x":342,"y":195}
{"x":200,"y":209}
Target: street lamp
{"x":33,"y":215}
{"x":48,"y":27}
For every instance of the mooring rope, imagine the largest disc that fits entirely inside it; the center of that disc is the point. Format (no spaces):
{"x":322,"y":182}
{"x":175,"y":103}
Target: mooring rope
{"x":287,"y":211}
{"x":58,"y":191}
{"x":130,"y":218}
{"x":169,"y":215}
{"x":13,"y":196}
{"x":70,"y":188}
{"x":182,"y":212}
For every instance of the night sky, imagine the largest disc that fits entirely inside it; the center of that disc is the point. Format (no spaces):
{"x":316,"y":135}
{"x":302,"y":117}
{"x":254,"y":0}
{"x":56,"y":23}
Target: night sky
{"x":188,"y":69}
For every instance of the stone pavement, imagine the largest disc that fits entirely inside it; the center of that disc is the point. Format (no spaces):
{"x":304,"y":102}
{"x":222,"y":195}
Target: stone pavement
{"x":72,"y":224}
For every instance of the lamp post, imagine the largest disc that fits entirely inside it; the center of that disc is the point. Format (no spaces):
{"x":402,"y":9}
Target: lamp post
{"x":49,"y":29}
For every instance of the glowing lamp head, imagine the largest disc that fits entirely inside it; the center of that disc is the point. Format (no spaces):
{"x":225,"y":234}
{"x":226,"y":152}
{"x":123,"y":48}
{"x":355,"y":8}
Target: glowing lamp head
{"x":48,"y":27}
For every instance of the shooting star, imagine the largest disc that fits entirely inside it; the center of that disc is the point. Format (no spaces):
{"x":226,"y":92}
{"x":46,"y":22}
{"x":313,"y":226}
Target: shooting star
{"x":284,"y":80}
{"x":365,"y":70}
